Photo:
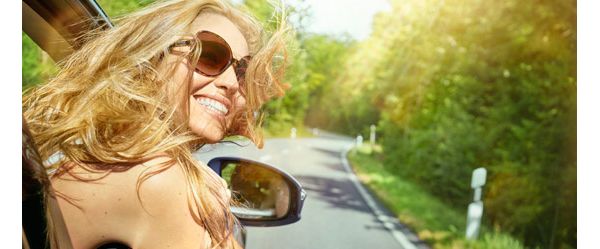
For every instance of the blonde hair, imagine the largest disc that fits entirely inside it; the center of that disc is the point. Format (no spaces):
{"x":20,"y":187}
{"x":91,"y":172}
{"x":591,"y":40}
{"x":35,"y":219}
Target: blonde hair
{"x":108,"y":107}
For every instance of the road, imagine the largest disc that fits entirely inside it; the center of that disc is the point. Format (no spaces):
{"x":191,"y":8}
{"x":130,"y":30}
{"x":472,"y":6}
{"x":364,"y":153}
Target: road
{"x":335,"y":214}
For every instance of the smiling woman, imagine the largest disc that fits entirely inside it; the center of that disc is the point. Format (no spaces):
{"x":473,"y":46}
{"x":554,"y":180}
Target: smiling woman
{"x":117,"y":125}
{"x":214,"y":91}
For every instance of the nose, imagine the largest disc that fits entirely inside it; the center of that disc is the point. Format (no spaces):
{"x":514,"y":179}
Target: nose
{"x":227,"y":81}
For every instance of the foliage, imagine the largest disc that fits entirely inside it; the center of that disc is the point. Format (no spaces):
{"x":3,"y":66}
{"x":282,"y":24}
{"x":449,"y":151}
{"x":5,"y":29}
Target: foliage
{"x":455,"y":85}
{"x":115,"y":9}
{"x":311,"y":61}
{"x":325,"y":55}
{"x":452,"y":85}
{"x":37,"y":66}
{"x":434,"y":221}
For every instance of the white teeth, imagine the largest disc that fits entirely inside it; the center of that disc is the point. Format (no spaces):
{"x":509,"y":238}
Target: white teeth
{"x":213,"y":105}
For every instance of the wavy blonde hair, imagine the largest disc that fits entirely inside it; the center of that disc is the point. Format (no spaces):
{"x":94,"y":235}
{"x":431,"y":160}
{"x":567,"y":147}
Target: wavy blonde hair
{"x":108,"y":107}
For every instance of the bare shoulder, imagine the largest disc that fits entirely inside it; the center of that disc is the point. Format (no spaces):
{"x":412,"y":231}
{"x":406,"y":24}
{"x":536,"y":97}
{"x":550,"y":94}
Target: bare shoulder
{"x":110,"y":207}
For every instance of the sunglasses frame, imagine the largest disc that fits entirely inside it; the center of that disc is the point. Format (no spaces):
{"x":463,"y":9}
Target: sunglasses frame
{"x":239,"y":66}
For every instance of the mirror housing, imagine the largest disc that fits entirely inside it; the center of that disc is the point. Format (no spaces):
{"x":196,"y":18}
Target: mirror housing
{"x":262,"y":195}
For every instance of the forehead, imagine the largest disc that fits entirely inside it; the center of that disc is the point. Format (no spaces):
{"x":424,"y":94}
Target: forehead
{"x":222,"y":26}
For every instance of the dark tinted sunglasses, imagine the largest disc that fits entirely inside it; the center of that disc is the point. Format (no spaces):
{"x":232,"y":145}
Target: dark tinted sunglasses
{"x":216,"y":55}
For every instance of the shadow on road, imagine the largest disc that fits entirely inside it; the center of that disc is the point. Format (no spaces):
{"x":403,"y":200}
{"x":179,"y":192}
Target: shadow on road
{"x":332,"y":153}
{"x":338,"y":193}
{"x":334,"y":136}
{"x":341,"y":194}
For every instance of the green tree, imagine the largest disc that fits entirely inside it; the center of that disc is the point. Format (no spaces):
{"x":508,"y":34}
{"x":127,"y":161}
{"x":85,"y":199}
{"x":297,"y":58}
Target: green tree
{"x":456,"y":85}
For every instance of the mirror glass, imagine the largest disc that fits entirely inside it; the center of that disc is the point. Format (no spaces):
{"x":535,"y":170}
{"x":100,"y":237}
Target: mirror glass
{"x":257,"y":192}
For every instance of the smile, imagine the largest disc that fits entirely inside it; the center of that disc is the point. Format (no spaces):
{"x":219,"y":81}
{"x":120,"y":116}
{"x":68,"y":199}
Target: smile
{"x":213,"y":105}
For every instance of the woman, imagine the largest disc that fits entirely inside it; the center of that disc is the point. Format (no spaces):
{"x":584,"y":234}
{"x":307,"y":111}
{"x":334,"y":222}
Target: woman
{"x":117,"y":125}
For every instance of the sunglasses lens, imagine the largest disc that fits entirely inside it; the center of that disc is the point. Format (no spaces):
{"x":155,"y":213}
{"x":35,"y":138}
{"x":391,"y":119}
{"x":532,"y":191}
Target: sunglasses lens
{"x":215,"y":56}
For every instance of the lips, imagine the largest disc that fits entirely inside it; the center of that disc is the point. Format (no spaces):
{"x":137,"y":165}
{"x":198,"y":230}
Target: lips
{"x":216,"y":104}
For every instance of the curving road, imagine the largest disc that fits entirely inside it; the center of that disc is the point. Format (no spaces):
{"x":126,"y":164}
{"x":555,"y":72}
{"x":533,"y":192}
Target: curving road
{"x":338,"y":212}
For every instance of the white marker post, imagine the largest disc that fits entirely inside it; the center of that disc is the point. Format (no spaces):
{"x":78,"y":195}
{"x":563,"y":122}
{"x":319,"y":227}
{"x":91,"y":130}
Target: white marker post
{"x":359,"y":141}
{"x":475,"y":210}
{"x":372,"y":137}
{"x":315,"y":131}
{"x":293,"y":132}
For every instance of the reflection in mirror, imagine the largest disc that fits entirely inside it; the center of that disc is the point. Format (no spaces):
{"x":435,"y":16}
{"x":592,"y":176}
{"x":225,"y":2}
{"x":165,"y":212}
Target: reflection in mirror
{"x":257,"y":192}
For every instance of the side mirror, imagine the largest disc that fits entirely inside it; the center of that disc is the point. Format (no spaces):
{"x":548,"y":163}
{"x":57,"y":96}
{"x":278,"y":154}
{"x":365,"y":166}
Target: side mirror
{"x":262,"y":195}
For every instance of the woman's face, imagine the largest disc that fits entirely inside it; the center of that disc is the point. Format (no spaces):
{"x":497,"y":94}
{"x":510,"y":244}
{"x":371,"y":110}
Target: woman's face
{"x":212,"y":100}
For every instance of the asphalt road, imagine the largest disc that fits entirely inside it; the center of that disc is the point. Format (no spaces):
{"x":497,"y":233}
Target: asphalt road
{"x":335,"y":214}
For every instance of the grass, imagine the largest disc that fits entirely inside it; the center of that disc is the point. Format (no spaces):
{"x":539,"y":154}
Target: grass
{"x":434,"y":222}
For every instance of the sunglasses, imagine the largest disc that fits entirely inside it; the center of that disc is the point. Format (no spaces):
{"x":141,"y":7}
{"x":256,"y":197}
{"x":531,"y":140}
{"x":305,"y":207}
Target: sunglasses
{"x":215,"y":57}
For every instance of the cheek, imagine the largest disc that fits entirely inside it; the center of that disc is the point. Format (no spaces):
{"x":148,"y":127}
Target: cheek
{"x":240,"y":103}
{"x":204,"y":125}
{"x":177,"y":80}
{"x":183,"y":83}
{"x":182,"y":80}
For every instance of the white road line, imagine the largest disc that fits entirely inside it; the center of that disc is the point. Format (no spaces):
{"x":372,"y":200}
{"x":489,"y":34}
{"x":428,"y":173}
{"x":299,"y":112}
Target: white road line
{"x":265,"y":158}
{"x":384,"y":219}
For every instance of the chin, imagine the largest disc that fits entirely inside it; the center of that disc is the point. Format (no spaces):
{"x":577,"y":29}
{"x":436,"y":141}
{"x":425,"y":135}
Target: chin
{"x":208,"y":134}
{"x":212,"y":139}
{"x":208,"y":126}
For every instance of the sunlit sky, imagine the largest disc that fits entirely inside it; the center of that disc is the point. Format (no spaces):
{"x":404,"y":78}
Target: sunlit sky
{"x":341,"y":16}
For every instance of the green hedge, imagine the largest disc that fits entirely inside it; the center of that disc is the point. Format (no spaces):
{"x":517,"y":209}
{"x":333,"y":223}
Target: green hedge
{"x":457,"y":85}
{"x":435,"y":221}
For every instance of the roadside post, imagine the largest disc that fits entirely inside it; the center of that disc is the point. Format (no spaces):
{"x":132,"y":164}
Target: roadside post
{"x":359,"y":140}
{"x":372,"y":137}
{"x":315,"y":131}
{"x":293,"y":132}
{"x":475,"y":209}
